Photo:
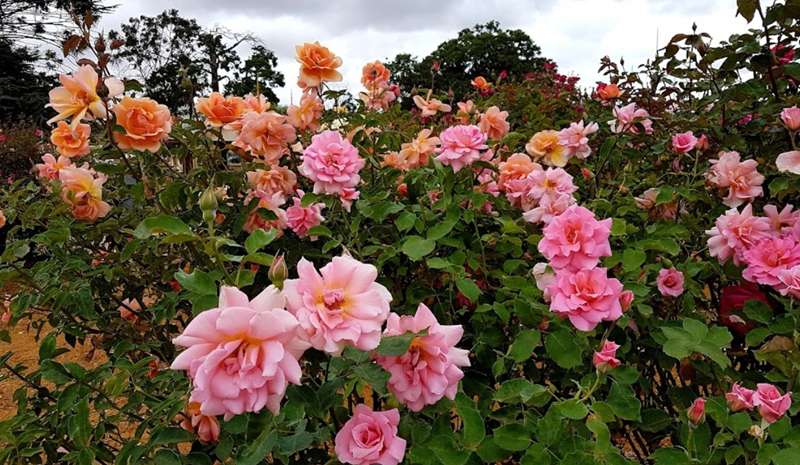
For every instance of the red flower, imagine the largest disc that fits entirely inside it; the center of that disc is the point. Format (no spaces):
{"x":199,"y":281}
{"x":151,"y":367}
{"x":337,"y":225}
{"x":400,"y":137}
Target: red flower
{"x":732,"y":300}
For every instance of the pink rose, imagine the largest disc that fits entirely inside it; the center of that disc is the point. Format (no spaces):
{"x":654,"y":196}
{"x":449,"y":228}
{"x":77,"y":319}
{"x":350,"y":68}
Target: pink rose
{"x":300,"y":219}
{"x":684,"y":142}
{"x":550,"y":206}
{"x":575,"y":139}
{"x":771,"y":404}
{"x":586,"y":297}
{"x":430,"y":369}
{"x":769,"y":257}
{"x":606,"y":357}
{"x":551,"y":181}
{"x":338,"y":306}
{"x":575,"y":240}
{"x":670,"y":282}
{"x":242,"y":354}
{"x":697,"y":412}
{"x":205,"y":426}
{"x":735,"y":232}
{"x":370,"y":438}
{"x":626,"y":300}
{"x":791,"y":118}
{"x":628,"y":118}
{"x":789,"y":162}
{"x":741,"y":178}
{"x":740,"y":398}
{"x":49,"y":168}
{"x":461,"y":146}
{"x":332,"y":163}
{"x":790,"y":282}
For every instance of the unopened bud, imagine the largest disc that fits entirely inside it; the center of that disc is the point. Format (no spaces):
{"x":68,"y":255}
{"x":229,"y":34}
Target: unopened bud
{"x":208,"y":203}
{"x":278,"y":272}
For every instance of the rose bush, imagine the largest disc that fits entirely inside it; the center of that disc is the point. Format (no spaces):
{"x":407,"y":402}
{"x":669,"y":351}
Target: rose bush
{"x":532,"y":275}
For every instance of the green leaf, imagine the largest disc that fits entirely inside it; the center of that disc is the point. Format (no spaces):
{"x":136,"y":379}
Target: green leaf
{"x":696,"y":337}
{"x":563,"y":349}
{"x":758,"y":311}
{"x":78,"y":425}
{"x":405,"y":221}
{"x":474,"y":429}
{"x":47,"y":348}
{"x":442,"y":229}
{"x":787,"y":457}
{"x":523,"y":345}
{"x":747,"y":8}
{"x":417,"y":247}
{"x":513,"y":437}
{"x":396,"y":345}
{"x":171,"y":435}
{"x":259,"y":239}
{"x":161,"y":224}
{"x":573,"y":409}
{"x":671,"y":456}
{"x":633,"y":259}
{"x":197,"y":282}
{"x":255,"y":452}
{"x":166,"y":457}
{"x":518,"y":389}
{"x":468,"y":287}
{"x":624,"y":402}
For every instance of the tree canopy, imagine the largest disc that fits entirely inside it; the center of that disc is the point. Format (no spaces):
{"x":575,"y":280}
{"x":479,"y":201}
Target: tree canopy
{"x":482,"y":50}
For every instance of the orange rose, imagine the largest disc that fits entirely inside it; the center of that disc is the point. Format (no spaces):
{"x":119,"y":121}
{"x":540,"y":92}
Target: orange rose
{"x":220,"y":110}
{"x":71,"y":142}
{"x":481,"y":84}
{"x":145,"y":121}
{"x":430,"y":106}
{"x":317,"y":64}
{"x":374,"y":75}
{"x":545,"y":145}
{"x":307,"y":114}
{"x":2,"y":219}
{"x":417,"y":152}
{"x":608,"y":91}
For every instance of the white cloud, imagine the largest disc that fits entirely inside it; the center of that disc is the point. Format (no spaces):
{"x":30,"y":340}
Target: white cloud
{"x":574,"y":33}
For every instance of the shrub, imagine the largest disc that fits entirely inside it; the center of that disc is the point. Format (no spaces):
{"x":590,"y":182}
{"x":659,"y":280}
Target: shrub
{"x":563,"y":278}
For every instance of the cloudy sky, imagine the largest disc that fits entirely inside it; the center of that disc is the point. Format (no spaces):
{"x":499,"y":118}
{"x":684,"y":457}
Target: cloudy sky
{"x":575,"y":33}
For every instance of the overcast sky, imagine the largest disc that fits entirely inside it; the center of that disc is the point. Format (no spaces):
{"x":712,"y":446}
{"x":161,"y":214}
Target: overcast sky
{"x":574,"y":33}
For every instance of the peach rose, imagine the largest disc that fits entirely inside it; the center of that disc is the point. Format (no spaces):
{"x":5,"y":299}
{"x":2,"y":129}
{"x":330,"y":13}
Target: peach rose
{"x":2,"y":219}
{"x":77,"y":97}
{"x":220,"y":110}
{"x":306,"y":115}
{"x":545,"y":145}
{"x":413,"y":154}
{"x":276,"y":180}
{"x":493,"y":123}
{"x":146,"y":124}
{"x":317,"y":64}
{"x":518,"y":166}
{"x":431,"y":106}
{"x":71,"y":142}
{"x":82,"y":189}
{"x":265,"y":135}
{"x":374,"y":75}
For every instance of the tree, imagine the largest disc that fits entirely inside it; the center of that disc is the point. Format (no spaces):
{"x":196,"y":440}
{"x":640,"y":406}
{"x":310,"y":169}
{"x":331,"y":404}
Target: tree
{"x":483,"y":50}
{"x":43,"y":20}
{"x":176,"y":59}
{"x":258,"y":74}
{"x":23,"y":90}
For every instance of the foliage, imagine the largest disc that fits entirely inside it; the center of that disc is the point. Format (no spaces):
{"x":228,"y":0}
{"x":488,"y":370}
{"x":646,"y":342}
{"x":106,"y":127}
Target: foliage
{"x":482,"y":50}
{"x":531,"y":394}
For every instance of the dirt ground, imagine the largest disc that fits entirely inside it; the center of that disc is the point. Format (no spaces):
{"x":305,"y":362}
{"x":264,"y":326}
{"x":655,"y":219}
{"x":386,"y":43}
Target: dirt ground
{"x":26,"y":350}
